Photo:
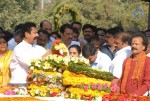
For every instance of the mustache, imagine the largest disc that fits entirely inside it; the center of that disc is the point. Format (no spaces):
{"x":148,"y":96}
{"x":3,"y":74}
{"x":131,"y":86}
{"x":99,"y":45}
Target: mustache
{"x":87,"y":35}
{"x":133,"y":48}
{"x":35,"y":38}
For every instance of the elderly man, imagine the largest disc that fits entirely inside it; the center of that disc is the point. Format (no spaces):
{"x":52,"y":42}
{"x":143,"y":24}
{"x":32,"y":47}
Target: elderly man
{"x":122,"y":41}
{"x":43,"y":38}
{"x":135,"y":77}
{"x":46,"y":25}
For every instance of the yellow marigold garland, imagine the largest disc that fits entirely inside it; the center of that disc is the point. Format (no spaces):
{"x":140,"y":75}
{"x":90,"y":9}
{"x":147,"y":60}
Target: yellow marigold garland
{"x":69,"y":78}
{"x":78,"y":92}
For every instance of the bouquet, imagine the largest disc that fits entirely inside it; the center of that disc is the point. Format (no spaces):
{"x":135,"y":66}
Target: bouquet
{"x":59,"y":48}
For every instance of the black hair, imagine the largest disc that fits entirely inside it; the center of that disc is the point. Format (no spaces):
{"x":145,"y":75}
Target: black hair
{"x":56,"y":33}
{"x":19,"y":26}
{"x":125,"y":37}
{"x":64,"y":26}
{"x":75,"y":30}
{"x":19,"y":33}
{"x":147,"y":30}
{"x":145,"y":40}
{"x":5,"y":38}
{"x":44,"y":32}
{"x":119,"y":28}
{"x":88,"y":50}
{"x":76,"y":22}
{"x":8,"y":34}
{"x":94,"y":38}
{"x":77,"y":47}
{"x":112,"y":31}
{"x":27,"y":27}
{"x":101,"y":29}
{"x":88,"y":26}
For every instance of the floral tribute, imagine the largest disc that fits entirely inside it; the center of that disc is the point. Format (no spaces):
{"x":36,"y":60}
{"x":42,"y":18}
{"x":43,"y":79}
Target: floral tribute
{"x":124,"y":97}
{"x":45,"y":84}
{"x":59,"y":48}
{"x":45,"y":76}
{"x":59,"y":74}
{"x":83,"y":87}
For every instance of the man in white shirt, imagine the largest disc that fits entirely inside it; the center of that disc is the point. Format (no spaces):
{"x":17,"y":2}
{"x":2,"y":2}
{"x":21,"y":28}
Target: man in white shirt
{"x":23,"y":53}
{"x":122,"y":41}
{"x":97,"y":59}
{"x":66,"y":31}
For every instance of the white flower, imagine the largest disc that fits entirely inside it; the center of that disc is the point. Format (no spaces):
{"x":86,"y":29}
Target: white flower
{"x":34,"y":79}
{"x":61,"y":51}
{"x":37,"y":64}
{"x":16,"y":90}
{"x":72,"y":59}
{"x":60,"y":58}
{"x":81,"y":59}
{"x":46,"y":65}
{"x":54,"y":69}
{"x":50,"y":76}
{"x":51,"y":57}
{"x":32,"y":68}
{"x":37,"y":91}
{"x":59,"y":75}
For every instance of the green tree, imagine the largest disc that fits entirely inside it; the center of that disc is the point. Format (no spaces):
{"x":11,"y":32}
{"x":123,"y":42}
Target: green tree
{"x":105,"y":13}
{"x":13,"y":12}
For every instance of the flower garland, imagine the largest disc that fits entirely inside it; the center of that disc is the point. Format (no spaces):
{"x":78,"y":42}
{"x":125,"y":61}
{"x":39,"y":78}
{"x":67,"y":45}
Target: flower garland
{"x":44,"y":83}
{"x":88,"y":71}
{"x":83,"y":87}
{"x":63,"y":9}
{"x":57,"y":63}
{"x":59,"y":48}
{"x":124,"y":97}
{"x":73,"y":79}
{"x":15,"y":91}
{"x":44,"y":91}
{"x":92,"y":90}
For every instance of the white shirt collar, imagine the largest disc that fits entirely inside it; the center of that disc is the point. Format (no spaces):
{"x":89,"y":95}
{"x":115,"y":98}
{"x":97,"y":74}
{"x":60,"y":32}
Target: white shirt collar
{"x":27,"y":44}
{"x":123,"y":49}
{"x":98,"y":57}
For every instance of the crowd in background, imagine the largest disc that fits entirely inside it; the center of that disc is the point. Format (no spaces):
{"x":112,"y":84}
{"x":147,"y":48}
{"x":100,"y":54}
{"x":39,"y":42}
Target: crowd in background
{"x":126,"y":54}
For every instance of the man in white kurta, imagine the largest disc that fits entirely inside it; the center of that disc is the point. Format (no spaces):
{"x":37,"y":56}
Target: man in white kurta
{"x":21,"y":58}
{"x":117,"y":62}
{"x":23,"y":53}
{"x":123,"y":51}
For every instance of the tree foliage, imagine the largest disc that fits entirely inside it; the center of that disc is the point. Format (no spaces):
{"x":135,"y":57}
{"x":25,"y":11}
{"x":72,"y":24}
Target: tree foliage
{"x":102,"y":13}
{"x":108,"y":13}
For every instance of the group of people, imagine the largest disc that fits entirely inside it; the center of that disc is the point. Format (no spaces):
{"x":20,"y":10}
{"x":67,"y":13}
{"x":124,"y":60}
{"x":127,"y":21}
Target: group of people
{"x":123,"y":53}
